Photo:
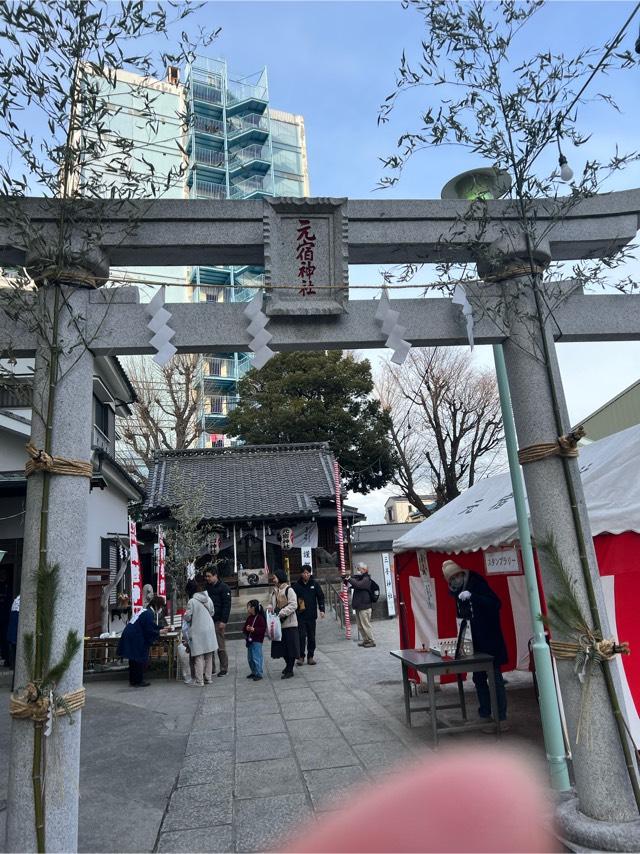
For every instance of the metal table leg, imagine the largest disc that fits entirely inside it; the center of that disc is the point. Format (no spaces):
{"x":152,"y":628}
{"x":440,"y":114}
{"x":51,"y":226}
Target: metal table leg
{"x":432,"y":707}
{"x":407,"y":693}
{"x":463,"y":704}
{"x":494,"y":700}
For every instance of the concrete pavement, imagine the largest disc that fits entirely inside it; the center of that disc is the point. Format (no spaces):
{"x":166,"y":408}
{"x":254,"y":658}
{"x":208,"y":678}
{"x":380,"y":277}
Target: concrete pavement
{"x":238,"y":765}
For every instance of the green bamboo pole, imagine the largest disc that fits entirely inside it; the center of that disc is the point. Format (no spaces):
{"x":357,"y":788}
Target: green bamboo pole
{"x":549,"y":710}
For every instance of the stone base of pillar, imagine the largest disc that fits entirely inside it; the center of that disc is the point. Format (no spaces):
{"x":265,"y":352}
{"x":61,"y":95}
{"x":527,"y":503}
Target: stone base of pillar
{"x":578,"y":832}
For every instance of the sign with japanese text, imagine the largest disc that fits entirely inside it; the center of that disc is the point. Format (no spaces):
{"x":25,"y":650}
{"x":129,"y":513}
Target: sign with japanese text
{"x":305,"y":253}
{"x":162,"y":558}
{"x":503,"y":561}
{"x":388,"y":584}
{"x":423,"y":569}
{"x":306,"y":556}
{"x":136,"y":570}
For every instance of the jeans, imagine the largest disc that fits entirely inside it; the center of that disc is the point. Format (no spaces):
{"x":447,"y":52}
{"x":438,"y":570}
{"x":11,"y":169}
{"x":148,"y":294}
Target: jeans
{"x":254,"y":657}
{"x":481,"y":682}
{"x":307,"y":633}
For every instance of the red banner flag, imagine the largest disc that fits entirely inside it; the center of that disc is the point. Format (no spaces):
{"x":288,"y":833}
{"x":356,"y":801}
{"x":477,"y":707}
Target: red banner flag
{"x":136,"y":570}
{"x":162,"y":553}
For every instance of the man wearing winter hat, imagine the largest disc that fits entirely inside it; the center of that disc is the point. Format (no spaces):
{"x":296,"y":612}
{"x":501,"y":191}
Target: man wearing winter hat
{"x":477,"y":602}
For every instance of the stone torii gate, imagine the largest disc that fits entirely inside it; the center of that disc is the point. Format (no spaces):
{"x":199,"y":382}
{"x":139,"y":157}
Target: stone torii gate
{"x":96,"y":322}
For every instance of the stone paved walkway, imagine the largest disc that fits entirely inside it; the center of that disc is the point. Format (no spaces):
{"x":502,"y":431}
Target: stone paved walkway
{"x":264,"y":758}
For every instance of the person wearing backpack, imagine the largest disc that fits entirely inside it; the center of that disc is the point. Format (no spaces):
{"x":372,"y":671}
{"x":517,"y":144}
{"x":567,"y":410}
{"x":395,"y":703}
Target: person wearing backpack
{"x":365,"y":593}
{"x":284,"y":603}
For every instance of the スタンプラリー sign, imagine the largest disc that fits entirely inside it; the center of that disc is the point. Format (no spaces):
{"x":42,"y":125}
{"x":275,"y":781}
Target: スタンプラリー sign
{"x":504,"y":561}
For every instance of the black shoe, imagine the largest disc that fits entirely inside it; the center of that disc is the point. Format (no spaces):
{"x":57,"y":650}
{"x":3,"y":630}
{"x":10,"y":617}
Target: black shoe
{"x":285,"y":671}
{"x":256,"y":678}
{"x":287,"y":675}
{"x":250,"y":676}
{"x":222,"y":673}
{"x":141,"y":685}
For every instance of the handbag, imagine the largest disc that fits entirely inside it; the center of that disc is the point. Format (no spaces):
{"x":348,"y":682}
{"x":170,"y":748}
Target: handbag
{"x":277,"y":649}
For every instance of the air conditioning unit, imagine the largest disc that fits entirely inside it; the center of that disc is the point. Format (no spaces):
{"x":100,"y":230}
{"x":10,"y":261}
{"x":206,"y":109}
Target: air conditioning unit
{"x":252,"y":577}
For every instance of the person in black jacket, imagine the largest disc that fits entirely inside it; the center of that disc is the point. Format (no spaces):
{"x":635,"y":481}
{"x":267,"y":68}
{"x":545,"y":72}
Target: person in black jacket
{"x":477,"y":602}
{"x":220,"y":595}
{"x":362,"y":602}
{"x":139,"y":635}
{"x":310,"y":601}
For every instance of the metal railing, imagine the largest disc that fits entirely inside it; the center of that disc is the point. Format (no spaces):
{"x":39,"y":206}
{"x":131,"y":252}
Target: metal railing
{"x":237,"y":92}
{"x":214,"y":293}
{"x":210,"y":190}
{"x":220,"y":404}
{"x":251,"y":121}
{"x":251,"y":280}
{"x":247,"y":154}
{"x":220,"y":367}
{"x":208,"y":94}
{"x":251,"y":185}
{"x":209,"y":157}
{"x":215,"y":127}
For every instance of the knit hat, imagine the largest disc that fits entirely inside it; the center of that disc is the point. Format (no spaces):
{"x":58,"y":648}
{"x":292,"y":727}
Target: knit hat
{"x":449,"y":568}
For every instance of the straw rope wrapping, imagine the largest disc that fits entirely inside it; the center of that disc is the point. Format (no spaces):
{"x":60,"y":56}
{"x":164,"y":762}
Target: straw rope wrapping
{"x":31,"y":704}
{"x":564,"y":446}
{"x":42,"y":461}
{"x":587,"y":652}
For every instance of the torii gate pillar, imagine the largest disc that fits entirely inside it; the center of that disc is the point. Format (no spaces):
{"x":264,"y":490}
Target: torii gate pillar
{"x":604,"y":816}
{"x":70,"y":425}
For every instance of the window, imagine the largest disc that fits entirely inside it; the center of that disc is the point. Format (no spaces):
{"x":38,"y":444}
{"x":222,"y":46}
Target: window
{"x":102,"y":416}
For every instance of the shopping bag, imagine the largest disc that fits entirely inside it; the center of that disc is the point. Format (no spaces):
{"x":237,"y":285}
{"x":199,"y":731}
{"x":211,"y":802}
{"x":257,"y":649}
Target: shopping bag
{"x":274,"y":627}
{"x":183,"y":659}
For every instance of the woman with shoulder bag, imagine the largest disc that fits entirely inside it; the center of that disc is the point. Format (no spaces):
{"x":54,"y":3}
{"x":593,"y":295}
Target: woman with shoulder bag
{"x":202,"y":633}
{"x":284,"y":603}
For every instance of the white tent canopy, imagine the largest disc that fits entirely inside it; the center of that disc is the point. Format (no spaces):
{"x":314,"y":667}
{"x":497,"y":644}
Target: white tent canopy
{"x":485,"y":514}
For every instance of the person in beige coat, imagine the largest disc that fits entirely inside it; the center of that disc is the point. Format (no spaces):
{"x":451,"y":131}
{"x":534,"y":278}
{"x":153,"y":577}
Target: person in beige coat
{"x":202,"y":633}
{"x":284,"y":603}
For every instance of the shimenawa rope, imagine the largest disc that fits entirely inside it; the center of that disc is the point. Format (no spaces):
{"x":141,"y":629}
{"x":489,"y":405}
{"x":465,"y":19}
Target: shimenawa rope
{"x":42,"y":461}
{"x":564,"y":446}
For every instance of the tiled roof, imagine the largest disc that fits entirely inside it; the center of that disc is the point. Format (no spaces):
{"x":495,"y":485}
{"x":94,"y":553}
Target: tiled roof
{"x":245,"y":483}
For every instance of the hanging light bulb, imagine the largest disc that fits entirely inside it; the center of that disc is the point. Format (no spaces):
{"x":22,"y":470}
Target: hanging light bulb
{"x":566,"y":172}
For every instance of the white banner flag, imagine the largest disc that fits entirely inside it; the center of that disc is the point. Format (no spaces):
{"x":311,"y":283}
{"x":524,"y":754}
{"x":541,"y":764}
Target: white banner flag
{"x":388,"y":583}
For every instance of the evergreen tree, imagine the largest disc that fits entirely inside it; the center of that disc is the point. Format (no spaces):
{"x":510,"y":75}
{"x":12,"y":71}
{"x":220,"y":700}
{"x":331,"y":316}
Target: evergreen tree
{"x":318,"y":397}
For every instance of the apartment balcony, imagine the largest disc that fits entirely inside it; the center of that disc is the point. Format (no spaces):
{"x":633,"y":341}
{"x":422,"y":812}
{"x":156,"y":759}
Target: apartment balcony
{"x":208,"y":190}
{"x":245,"y":96}
{"x":249,"y":279}
{"x":220,"y":404}
{"x":215,"y":294}
{"x":219,"y":368}
{"x":208,"y":157}
{"x":209,"y":126}
{"x":256,"y":157}
{"x":251,"y":187}
{"x":207,"y":93}
{"x":252,"y":125}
